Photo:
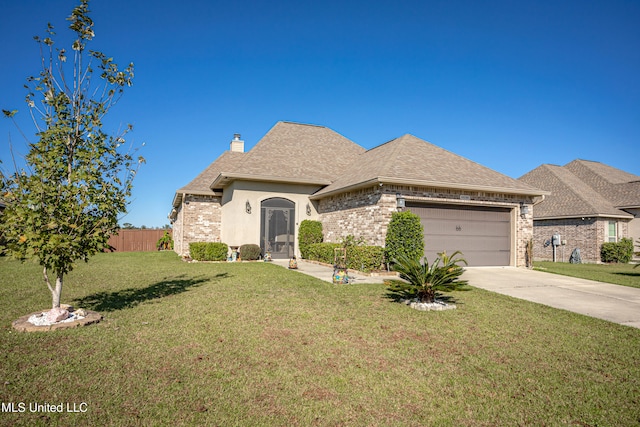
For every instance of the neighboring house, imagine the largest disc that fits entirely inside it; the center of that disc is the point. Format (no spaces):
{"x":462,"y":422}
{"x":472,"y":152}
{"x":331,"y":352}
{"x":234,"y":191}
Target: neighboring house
{"x":590,"y":203}
{"x":297,"y":172}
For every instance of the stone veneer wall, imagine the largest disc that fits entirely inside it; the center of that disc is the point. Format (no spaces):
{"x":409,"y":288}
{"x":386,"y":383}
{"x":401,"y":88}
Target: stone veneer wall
{"x":199,"y":219}
{"x":363,"y":213}
{"x":366,"y":213}
{"x":586,"y":234}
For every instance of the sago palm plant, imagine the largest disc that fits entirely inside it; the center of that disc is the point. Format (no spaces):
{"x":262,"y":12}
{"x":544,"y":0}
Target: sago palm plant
{"x":423,"y":281}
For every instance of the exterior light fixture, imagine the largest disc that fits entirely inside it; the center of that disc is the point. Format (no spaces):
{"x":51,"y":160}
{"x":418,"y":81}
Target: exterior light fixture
{"x":524,"y":210}
{"x":400,"y":201}
{"x":308,"y":209}
{"x":247,"y":207}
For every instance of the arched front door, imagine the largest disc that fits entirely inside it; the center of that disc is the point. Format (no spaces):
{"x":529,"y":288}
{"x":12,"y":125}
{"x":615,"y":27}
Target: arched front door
{"x":277,"y":227}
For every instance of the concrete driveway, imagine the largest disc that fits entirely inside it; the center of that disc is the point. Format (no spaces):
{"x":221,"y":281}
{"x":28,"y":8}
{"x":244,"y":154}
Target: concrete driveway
{"x":618,"y":304}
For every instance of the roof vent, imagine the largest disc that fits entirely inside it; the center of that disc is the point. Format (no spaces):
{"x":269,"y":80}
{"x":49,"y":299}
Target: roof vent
{"x":237,"y":145}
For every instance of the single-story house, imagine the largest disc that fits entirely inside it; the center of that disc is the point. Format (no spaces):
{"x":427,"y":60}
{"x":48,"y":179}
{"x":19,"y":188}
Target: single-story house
{"x":589,"y":203}
{"x":300,"y":171}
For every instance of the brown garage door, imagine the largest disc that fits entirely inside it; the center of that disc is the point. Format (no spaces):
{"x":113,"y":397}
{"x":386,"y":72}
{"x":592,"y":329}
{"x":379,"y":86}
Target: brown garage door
{"x":482,"y":234}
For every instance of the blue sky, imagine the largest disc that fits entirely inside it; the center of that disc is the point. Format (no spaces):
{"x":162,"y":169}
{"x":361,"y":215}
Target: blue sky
{"x":508,"y":84}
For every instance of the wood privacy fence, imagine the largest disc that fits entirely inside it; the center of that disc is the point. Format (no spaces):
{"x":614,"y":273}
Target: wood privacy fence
{"x":136,"y":240}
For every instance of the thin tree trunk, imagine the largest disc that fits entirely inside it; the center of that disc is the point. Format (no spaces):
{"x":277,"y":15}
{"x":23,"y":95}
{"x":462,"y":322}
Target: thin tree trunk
{"x":57,"y":292}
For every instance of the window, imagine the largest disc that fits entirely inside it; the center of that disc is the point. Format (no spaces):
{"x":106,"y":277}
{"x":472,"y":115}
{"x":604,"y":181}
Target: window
{"x":612,"y":232}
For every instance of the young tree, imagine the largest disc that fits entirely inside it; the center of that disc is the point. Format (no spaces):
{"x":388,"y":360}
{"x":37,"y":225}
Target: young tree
{"x":63,"y":206}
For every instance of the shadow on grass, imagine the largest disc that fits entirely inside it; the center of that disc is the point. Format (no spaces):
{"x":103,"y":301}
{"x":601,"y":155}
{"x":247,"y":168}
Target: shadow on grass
{"x":128,"y":298}
{"x":630,"y":274}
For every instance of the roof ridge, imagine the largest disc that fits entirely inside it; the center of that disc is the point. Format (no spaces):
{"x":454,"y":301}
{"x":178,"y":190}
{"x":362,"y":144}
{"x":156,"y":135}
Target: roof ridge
{"x":301,"y":124}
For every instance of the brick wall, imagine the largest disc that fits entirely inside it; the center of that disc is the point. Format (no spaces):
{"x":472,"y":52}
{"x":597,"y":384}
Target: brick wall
{"x":364,"y":214}
{"x":586,"y":234}
{"x":199,"y":219}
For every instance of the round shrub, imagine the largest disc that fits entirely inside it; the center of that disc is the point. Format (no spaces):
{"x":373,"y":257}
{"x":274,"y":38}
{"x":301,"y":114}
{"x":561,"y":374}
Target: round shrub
{"x":621,"y":251}
{"x":250,"y":252}
{"x":405,"y":237}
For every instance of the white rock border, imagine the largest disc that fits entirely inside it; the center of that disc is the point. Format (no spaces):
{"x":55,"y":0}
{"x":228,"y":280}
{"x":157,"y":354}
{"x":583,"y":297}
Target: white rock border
{"x":24,"y":325}
{"x":437,"y":305}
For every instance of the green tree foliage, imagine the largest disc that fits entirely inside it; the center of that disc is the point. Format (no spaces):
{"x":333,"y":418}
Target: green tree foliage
{"x":165,"y":242}
{"x":309,"y":232}
{"x":63,"y":206}
{"x":424,"y":281}
{"x":405,"y":237}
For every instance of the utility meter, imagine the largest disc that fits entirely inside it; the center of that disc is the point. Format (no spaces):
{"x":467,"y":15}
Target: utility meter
{"x":555,"y":240}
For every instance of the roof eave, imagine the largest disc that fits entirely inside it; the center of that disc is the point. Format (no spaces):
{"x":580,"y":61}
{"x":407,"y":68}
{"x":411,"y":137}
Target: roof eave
{"x":437,"y":184}
{"x":177,"y":198}
{"x":581,"y":216}
{"x":224,"y":179}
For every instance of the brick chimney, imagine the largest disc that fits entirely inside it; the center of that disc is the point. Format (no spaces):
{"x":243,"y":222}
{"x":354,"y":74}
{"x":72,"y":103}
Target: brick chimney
{"x":237,"y":144}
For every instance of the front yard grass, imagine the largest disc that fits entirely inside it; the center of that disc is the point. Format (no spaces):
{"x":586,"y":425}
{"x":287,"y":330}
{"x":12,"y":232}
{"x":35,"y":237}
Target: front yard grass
{"x":618,"y":274}
{"x":254,"y":344}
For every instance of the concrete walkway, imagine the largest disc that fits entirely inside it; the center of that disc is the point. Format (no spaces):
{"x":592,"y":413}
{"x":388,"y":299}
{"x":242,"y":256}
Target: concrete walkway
{"x":325,"y":273}
{"x":618,"y":304}
{"x":615,"y":303}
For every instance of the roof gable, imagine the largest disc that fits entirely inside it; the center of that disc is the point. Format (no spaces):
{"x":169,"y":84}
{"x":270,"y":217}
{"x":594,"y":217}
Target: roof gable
{"x":570,"y":197}
{"x":411,"y":160}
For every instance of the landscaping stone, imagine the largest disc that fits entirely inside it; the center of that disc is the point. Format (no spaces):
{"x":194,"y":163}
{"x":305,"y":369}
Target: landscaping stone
{"x":37,"y":322}
{"x":57,"y":314}
{"x":431,"y":306}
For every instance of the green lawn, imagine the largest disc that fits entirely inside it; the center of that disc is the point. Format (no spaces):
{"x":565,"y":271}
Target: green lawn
{"x":254,"y":344}
{"x":618,"y":274}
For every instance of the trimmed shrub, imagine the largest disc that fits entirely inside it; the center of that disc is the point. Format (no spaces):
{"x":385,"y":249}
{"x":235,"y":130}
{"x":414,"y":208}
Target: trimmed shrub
{"x":208,"y":251}
{"x":362,"y":258}
{"x":250,"y":252}
{"x":196,"y":250}
{"x":621,"y":251}
{"x":365,"y":258}
{"x":310,"y":232}
{"x":405,"y":237}
{"x":323,"y":252}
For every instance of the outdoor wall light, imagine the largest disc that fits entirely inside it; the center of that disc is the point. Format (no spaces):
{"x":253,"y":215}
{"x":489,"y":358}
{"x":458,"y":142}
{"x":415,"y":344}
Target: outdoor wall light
{"x":524,"y":210}
{"x":400,"y":201}
{"x":308,"y":209}
{"x":247,"y":207}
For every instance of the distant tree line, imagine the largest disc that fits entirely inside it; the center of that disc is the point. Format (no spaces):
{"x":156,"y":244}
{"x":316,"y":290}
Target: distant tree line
{"x":129,"y":226}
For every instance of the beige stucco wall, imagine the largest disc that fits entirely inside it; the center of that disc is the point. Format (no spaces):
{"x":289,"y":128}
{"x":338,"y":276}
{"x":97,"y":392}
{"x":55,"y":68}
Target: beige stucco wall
{"x":240,"y":227}
{"x":634,"y":224}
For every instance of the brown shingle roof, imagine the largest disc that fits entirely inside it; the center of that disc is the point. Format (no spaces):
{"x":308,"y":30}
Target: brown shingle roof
{"x":570,"y":196}
{"x":229,"y":160}
{"x":411,"y":160}
{"x":295,"y":152}
{"x":621,"y":188}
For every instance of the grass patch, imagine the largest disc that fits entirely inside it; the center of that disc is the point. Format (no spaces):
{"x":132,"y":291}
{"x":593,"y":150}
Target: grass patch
{"x":256,"y":344}
{"x":618,"y":274}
